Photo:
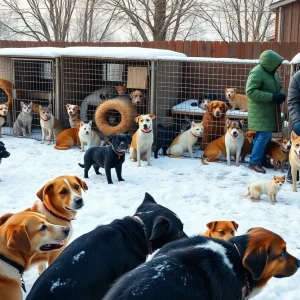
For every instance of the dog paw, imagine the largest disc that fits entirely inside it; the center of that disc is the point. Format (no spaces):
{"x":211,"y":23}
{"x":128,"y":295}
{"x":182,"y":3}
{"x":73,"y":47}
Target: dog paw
{"x":121,"y":179}
{"x":110,"y":182}
{"x":139,"y":165}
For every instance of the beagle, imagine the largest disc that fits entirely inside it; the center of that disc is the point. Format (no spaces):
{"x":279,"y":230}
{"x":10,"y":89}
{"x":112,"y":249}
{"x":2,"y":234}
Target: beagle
{"x":22,"y":235}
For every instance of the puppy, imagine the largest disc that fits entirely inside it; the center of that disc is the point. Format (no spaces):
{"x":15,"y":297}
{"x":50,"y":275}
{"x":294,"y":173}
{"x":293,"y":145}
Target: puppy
{"x":228,"y":145}
{"x":121,"y":89}
{"x":238,"y":101}
{"x":21,"y":236}
{"x":50,"y":125}
{"x":87,"y":136}
{"x":22,"y":125}
{"x":107,"y":252}
{"x":3,"y":152}
{"x":186,"y":141}
{"x":279,"y":151}
{"x":112,"y":156}
{"x":73,"y":113}
{"x":248,"y":144}
{"x":137,"y":97}
{"x":223,"y":230}
{"x":294,"y":158}
{"x":3,"y":113}
{"x":142,"y":139}
{"x":265,"y":187}
{"x":244,"y":266}
{"x":67,"y":139}
{"x":214,"y":122}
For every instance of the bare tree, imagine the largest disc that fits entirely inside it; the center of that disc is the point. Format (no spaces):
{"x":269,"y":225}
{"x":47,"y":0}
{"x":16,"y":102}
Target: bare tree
{"x":155,"y":19}
{"x":238,"y":20}
{"x":47,"y":20}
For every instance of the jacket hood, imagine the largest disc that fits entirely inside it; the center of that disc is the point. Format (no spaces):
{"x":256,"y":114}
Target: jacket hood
{"x":270,"y":60}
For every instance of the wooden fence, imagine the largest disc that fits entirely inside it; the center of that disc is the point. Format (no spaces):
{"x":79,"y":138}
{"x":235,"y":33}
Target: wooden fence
{"x":248,"y":50}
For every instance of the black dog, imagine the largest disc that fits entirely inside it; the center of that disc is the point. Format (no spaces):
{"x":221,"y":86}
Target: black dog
{"x":205,"y":268}
{"x":91,"y":263}
{"x":3,"y":152}
{"x":108,"y":157}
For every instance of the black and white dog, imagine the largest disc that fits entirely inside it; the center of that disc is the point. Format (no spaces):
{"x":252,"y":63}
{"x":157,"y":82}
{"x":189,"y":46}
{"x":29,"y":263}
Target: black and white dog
{"x":206,"y":268}
{"x":3,"y":152}
{"x":90,"y":264}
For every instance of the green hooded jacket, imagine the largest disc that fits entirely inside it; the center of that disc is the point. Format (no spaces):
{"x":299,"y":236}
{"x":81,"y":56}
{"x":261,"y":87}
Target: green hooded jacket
{"x":262,"y":82}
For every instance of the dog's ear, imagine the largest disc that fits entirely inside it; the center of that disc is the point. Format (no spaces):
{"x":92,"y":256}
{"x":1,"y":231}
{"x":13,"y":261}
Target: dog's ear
{"x":242,"y":122}
{"x":234,"y":89}
{"x":160,"y":226}
{"x":30,"y":104}
{"x":67,"y":106}
{"x":77,"y":107}
{"x":18,"y":239}
{"x":91,"y":123}
{"x":255,"y":261}
{"x":136,"y":119}
{"x":81,"y":183}
{"x":111,"y":139}
{"x":125,"y":85}
{"x":131,"y":95}
{"x":235,"y":225}
{"x":152,"y":116}
{"x":45,"y":190}
{"x":209,"y":107}
{"x":40,"y":107}
{"x":211,"y":225}
{"x":225,"y":107}
{"x":81,"y":123}
{"x":228,"y":122}
{"x":148,"y":199}
{"x":193,"y":124}
{"x":293,"y":136}
{"x":5,"y":217}
{"x":50,"y":106}
{"x":22,"y":104}
{"x":283,"y":177}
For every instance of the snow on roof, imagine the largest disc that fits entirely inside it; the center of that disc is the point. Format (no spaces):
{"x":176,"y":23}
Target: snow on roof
{"x":295,"y":60}
{"x":96,"y":52}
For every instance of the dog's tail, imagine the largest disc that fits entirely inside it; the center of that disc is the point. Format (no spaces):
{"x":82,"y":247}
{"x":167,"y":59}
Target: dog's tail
{"x":246,"y":195}
{"x":62,"y":147}
{"x":81,"y":165}
{"x":204,"y":160}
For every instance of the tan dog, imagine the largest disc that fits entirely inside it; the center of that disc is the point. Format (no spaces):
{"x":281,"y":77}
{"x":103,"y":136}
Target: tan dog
{"x":121,"y":89}
{"x":186,"y":141}
{"x":142,"y":140}
{"x":214,"y":122}
{"x":3,"y":113}
{"x":265,"y":187}
{"x":248,"y":144}
{"x":223,"y":230}
{"x":238,"y":101}
{"x":137,"y":97}
{"x":228,"y":145}
{"x":22,"y":236}
{"x":67,"y":139}
{"x":74,"y":116}
{"x":279,"y":151}
{"x":294,"y":158}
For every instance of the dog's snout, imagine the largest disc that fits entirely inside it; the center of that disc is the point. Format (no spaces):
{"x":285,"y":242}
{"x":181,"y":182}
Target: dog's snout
{"x":234,"y":133}
{"x":145,"y":126}
{"x":78,"y":201}
{"x":66,"y":230}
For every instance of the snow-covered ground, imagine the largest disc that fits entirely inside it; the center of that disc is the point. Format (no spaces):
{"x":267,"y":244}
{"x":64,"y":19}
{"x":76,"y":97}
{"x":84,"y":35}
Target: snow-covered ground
{"x":198,"y":194}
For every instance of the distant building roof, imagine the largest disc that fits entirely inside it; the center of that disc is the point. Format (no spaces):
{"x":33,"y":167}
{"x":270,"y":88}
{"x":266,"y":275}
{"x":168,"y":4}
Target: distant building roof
{"x":281,"y":3}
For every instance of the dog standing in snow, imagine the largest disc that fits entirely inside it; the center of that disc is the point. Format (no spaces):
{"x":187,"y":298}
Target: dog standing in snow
{"x":88,"y":136}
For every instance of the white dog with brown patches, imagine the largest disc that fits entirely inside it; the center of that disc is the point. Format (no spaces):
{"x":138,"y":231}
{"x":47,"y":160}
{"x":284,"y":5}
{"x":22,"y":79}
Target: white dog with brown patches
{"x":186,"y":140}
{"x":3,"y":113}
{"x":142,"y":139}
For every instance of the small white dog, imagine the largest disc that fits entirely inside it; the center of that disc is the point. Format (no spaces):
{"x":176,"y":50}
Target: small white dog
{"x":88,"y":136}
{"x":3,"y":113}
{"x":142,"y":139}
{"x":234,"y":140}
{"x":186,"y":140}
{"x":265,"y":187}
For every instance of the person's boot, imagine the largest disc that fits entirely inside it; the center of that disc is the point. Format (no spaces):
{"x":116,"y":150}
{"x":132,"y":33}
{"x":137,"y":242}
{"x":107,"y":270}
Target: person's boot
{"x":257,"y":168}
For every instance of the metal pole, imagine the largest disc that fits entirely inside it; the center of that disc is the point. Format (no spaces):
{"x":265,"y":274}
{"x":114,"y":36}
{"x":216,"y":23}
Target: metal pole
{"x":57,"y":89}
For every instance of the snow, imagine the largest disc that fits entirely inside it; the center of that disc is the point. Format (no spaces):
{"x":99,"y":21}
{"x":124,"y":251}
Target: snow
{"x":96,"y":52}
{"x":197,"y":194}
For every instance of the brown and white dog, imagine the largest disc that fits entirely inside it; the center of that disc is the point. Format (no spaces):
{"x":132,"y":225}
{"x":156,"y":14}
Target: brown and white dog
{"x":142,"y":139}
{"x":73,"y":113}
{"x":214,"y":122}
{"x":228,"y":145}
{"x":22,"y":236}
{"x":3,"y":113}
{"x":67,"y":139}
{"x":294,"y":158}
{"x":224,"y":230}
{"x":121,"y":89}
{"x":238,"y":101}
{"x":248,"y":144}
{"x":279,"y":151}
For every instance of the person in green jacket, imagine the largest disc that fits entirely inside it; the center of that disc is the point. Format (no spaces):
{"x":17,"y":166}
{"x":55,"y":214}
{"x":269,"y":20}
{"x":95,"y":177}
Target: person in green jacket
{"x":265,"y":95}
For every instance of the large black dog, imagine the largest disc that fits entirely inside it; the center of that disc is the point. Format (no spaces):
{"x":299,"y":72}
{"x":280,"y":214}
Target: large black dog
{"x":208,"y":269}
{"x":3,"y":152}
{"x":91,"y":263}
{"x":108,"y":157}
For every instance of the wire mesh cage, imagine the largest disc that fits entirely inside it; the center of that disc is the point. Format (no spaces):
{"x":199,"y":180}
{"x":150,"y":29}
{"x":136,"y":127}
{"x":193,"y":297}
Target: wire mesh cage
{"x":187,"y":90}
{"x":90,"y":82}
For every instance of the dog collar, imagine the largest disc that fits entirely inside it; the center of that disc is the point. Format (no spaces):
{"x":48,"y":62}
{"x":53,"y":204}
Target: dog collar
{"x":16,"y":266}
{"x":284,"y":150}
{"x":137,"y":218}
{"x":56,"y":215}
{"x":46,"y":119}
{"x":4,"y":117}
{"x":119,"y":153}
{"x":194,"y":135}
{"x":147,"y":131}
{"x":246,"y":288}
